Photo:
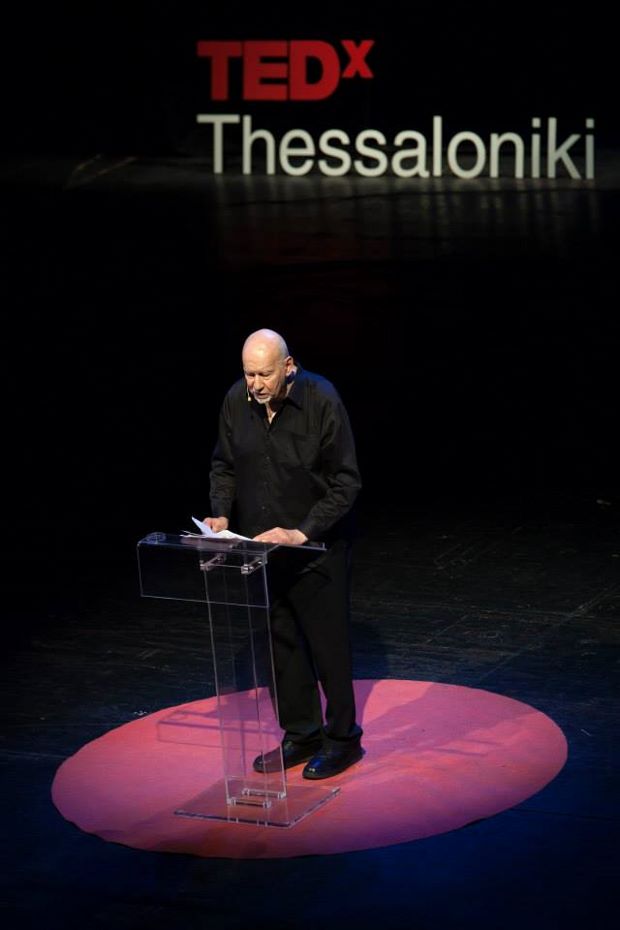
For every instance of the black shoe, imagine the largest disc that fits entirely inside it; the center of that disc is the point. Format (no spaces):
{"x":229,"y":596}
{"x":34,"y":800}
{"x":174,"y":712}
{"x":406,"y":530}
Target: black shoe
{"x":289,"y":753}
{"x":332,"y":760}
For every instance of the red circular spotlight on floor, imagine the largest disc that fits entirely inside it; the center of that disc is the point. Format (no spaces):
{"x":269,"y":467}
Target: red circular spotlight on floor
{"x":437,"y":758}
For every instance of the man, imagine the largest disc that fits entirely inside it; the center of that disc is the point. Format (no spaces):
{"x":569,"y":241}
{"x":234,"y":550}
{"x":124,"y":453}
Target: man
{"x":284,"y":471}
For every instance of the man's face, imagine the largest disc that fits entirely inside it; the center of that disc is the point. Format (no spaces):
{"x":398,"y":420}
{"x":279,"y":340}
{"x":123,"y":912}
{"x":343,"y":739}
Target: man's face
{"x":265,"y":373}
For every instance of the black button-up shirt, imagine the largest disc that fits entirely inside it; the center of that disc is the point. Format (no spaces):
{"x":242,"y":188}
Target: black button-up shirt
{"x":297,"y":472}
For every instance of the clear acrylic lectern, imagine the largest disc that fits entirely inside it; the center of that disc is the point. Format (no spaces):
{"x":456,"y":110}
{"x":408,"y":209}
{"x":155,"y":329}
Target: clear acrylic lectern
{"x":231,"y":578}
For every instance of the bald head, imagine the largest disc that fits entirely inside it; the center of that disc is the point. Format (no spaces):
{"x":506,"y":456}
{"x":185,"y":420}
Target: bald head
{"x":267,"y":366}
{"x":266,"y":341}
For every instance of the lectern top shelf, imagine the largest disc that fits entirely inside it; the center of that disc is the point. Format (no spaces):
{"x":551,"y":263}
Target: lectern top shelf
{"x":208,"y":544}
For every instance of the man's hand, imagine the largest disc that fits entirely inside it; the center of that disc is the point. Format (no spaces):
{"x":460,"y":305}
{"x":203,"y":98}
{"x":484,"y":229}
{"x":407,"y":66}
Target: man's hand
{"x":217,"y":524}
{"x":282,"y":537}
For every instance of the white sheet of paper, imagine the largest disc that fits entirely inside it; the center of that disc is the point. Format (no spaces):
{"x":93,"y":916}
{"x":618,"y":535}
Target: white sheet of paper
{"x":223,"y":534}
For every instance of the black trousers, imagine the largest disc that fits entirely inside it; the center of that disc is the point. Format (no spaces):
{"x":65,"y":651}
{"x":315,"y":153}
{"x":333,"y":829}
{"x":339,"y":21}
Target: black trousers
{"x":310,"y":640}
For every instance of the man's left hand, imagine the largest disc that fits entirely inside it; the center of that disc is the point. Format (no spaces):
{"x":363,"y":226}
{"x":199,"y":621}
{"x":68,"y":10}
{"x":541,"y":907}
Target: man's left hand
{"x":282,"y":537}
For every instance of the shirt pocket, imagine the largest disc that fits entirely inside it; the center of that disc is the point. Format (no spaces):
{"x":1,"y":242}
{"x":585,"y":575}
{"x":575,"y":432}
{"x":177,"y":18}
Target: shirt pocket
{"x":301,"y":450}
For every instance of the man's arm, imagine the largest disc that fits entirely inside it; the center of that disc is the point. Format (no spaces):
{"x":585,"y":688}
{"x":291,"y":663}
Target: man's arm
{"x":222,"y":475}
{"x":340,"y":475}
{"x":339,"y":471}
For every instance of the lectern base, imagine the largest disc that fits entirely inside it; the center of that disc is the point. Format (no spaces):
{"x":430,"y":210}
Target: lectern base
{"x":256,"y":806}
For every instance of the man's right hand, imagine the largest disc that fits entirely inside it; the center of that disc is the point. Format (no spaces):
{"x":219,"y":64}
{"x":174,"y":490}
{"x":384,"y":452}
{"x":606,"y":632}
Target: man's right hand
{"x":217,"y":524}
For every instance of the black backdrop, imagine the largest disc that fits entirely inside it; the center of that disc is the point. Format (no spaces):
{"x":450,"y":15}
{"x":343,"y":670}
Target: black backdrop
{"x":126,"y":78}
{"x":476,"y":375}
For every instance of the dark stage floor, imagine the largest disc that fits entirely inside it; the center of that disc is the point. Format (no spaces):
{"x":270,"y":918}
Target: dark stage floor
{"x":522,"y":604}
{"x":473,"y":332}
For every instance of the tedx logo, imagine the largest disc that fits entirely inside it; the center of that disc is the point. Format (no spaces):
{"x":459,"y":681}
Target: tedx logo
{"x":299,"y":69}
